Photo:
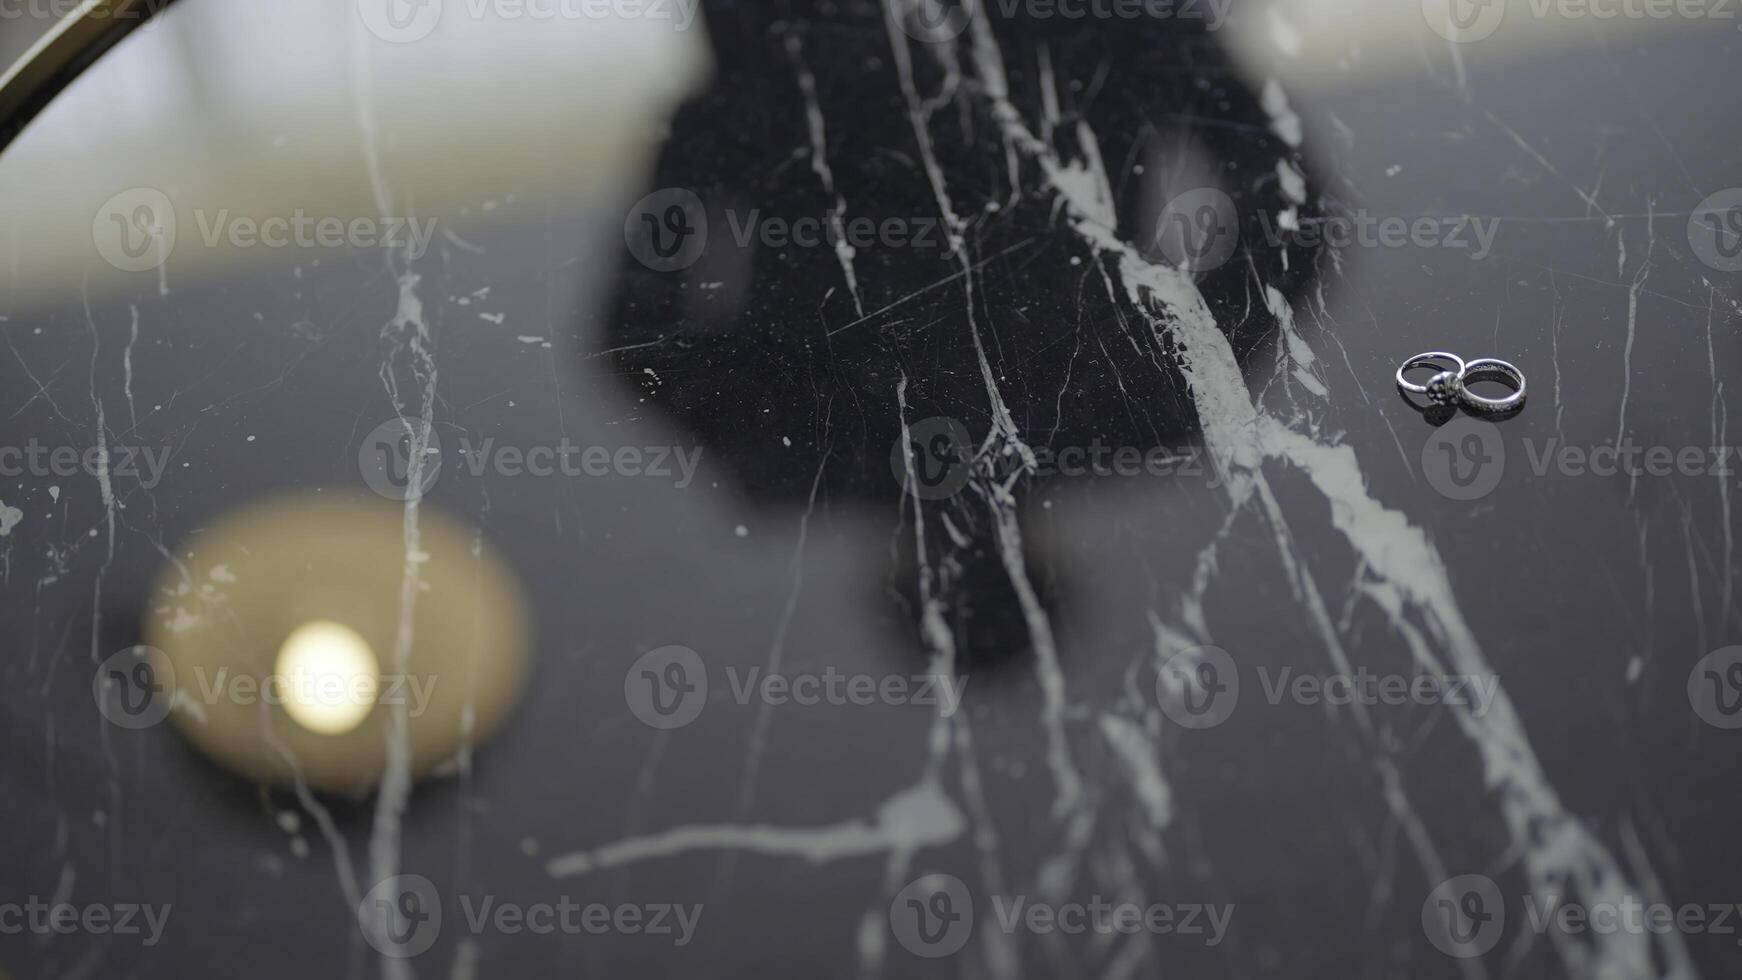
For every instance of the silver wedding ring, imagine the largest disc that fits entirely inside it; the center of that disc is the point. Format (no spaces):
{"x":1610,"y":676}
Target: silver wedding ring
{"x":1452,"y":384}
{"x":1433,"y":359}
{"x":1491,"y":369}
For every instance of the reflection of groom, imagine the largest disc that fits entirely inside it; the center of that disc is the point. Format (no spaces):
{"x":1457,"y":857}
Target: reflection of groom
{"x":799,"y":368}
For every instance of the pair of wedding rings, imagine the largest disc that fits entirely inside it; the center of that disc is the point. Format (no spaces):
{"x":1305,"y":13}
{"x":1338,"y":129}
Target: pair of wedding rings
{"x":1451,"y":386}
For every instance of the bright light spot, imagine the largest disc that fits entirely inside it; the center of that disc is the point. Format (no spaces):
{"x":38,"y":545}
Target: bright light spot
{"x":328,"y":677}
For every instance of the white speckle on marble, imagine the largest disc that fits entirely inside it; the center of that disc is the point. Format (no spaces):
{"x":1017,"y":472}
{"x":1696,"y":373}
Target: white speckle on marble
{"x":1282,"y":118}
{"x":917,"y":817}
{"x":1293,"y":181}
{"x":182,"y":620}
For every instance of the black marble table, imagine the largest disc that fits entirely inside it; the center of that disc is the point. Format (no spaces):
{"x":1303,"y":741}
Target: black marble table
{"x":1020,"y":400}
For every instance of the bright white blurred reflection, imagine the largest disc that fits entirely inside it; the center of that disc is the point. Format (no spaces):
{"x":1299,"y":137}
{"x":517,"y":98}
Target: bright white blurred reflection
{"x":241,"y":113}
{"x":1357,"y":43}
{"x":328,"y":677}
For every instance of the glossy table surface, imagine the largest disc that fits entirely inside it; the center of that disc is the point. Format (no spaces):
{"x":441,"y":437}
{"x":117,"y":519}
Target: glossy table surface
{"x":1084,"y":579}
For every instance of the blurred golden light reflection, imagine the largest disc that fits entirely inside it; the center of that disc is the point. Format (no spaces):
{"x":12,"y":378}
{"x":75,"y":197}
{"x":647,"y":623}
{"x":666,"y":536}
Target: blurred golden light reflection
{"x":329,"y":677}
{"x":282,"y":624}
